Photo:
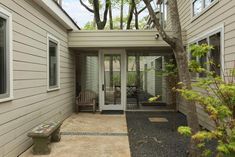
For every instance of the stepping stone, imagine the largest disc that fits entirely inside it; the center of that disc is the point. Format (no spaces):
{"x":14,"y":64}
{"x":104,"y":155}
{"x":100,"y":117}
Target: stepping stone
{"x":157,"y":120}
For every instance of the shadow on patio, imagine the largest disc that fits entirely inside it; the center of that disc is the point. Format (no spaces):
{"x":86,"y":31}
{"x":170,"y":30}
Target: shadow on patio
{"x":89,"y":135}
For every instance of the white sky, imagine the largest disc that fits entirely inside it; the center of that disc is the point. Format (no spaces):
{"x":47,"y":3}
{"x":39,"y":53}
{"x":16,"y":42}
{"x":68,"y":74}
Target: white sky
{"x":81,"y":16}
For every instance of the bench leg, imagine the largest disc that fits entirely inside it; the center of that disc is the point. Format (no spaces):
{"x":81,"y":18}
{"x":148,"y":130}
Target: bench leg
{"x":55,"y":137}
{"x":41,"y":146}
{"x":94,"y":108}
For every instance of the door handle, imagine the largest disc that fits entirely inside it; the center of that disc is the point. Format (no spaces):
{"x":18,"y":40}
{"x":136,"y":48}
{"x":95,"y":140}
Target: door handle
{"x":102,"y":87}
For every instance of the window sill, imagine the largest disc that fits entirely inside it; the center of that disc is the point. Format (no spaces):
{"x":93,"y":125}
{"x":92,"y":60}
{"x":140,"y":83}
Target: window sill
{"x":203,"y":11}
{"x":6,"y":99}
{"x":53,"y":89}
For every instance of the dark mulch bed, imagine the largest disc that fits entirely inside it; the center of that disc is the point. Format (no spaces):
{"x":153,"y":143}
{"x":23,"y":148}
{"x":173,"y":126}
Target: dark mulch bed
{"x":154,"y":139}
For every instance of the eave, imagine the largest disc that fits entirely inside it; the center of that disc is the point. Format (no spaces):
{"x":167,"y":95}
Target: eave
{"x":58,"y":13}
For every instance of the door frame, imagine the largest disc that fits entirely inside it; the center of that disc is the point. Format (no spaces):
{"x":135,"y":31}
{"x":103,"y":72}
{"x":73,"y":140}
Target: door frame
{"x":122,"y":52}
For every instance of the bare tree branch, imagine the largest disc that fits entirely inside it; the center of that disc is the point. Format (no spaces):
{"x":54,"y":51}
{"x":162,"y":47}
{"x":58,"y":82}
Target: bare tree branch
{"x":110,"y":17}
{"x":141,"y":10}
{"x":136,"y":18}
{"x":106,"y":10}
{"x":130,"y":14}
{"x":100,"y":24}
{"x":85,"y":6}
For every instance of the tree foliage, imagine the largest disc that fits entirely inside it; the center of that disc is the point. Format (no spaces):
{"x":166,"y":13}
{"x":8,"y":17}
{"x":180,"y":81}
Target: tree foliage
{"x":217,"y":97}
{"x":136,"y":7}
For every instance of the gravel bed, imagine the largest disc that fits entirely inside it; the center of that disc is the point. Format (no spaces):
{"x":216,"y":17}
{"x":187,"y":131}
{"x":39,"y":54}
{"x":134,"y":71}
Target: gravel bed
{"x":156,"y":139}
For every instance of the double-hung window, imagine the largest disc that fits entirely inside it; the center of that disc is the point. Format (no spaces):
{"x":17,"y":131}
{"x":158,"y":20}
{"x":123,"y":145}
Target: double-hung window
{"x":53,"y":63}
{"x":200,"y":5}
{"x":5,"y":56}
{"x":215,"y":55}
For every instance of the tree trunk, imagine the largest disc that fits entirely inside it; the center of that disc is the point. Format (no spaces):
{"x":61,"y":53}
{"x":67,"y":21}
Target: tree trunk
{"x":137,"y":63}
{"x":130,"y":14}
{"x":110,"y":17}
{"x":136,"y":19}
{"x":121,"y":15}
{"x":96,"y":11}
{"x":176,"y":44}
{"x":100,"y":24}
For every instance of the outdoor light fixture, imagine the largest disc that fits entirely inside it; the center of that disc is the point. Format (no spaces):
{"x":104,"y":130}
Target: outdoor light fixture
{"x":157,"y":36}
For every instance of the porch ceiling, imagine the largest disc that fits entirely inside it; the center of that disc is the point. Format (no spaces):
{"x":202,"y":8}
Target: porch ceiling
{"x":117,"y":39}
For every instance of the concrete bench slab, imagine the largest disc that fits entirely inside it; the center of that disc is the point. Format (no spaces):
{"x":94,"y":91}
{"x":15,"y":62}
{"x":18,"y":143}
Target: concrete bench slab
{"x":43,"y":134}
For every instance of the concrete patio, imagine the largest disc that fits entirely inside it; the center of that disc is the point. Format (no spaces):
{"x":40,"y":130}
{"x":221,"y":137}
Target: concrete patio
{"x":91,"y":135}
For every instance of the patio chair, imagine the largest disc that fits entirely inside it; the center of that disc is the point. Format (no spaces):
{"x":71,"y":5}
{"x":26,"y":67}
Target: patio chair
{"x":86,"y":98}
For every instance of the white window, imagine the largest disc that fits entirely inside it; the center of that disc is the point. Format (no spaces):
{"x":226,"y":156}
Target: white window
{"x":214,"y":39}
{"x":6,"y":91}
{"x":53,"y":63}
{"x":199,"y":6}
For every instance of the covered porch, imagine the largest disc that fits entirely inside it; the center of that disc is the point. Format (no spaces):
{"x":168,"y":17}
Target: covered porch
{"x":122,"y":67}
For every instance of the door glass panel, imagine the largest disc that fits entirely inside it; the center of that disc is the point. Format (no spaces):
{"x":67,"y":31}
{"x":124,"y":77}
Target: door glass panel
{"x":112,"y":79}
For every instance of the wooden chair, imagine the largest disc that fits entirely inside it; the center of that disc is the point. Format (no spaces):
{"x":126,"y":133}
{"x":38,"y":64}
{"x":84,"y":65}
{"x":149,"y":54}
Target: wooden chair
{"x":86,"y":98}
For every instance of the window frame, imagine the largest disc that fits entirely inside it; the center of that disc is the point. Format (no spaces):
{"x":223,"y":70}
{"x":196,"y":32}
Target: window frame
{"x":8,"y":96}
{"x":54,"y":40}
{"x":203,"y":9}
{"x":206,"y":35}
{"x":202,"y":6}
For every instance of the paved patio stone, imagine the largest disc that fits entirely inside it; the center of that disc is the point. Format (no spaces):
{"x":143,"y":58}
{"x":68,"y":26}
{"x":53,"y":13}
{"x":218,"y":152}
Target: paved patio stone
{"x":91,"y":135}
{"x":86,"y":122}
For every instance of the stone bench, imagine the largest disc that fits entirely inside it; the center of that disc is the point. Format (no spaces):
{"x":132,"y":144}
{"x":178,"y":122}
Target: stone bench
{"x":43,"y":134}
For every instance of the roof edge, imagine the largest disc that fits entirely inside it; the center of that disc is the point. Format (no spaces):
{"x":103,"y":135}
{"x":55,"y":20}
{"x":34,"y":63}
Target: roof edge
{"x":58,"y":13}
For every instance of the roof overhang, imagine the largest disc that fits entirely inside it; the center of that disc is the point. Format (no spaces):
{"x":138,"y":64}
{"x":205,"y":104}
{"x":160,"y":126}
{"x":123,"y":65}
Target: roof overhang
{"x":58,"y":13}
{"x":118,"y":39}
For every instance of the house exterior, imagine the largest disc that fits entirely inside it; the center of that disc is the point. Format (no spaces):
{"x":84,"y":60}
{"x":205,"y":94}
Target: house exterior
{"x":28,"y":30}
{"x":42,"y":50}
{"x":210,"y":22}
{"x":205,"y":22}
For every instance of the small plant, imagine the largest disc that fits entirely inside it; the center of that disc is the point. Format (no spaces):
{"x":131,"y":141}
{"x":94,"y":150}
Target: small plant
{"x":217,"y":97}
{"x":154,"y":99}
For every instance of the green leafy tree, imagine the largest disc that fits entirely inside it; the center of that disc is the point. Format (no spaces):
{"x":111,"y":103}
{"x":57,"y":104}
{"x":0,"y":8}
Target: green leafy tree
{"x":217,"y":97}
{"x":89,"y":26}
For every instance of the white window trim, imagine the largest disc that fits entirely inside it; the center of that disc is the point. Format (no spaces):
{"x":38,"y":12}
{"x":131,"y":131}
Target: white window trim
{"x":204,"y":9}
{"x":212,"y":31}
{"x":8,"y":16}
{"x":54,"y":39}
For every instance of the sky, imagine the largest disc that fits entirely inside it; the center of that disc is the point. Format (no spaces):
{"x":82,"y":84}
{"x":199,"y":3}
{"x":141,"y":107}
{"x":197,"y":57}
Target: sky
{"x":81,"y":16}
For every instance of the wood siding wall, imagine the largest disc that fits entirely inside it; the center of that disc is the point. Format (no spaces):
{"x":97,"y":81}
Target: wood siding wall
{"x":116,"y":38}
{"x":32,"y":103}
{"x":222,"y":13}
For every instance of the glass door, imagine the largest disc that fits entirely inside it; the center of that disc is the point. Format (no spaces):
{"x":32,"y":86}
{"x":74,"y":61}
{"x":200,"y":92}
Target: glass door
{"x":112,"y":79}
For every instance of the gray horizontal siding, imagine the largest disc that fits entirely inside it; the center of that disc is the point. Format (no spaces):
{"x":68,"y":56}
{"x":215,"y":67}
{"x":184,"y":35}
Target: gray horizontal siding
{"x":32,"y":103}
